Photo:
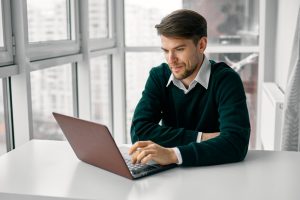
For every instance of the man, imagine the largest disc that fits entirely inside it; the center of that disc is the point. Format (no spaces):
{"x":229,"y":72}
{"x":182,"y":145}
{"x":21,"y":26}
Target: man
{"x":193,"y":111}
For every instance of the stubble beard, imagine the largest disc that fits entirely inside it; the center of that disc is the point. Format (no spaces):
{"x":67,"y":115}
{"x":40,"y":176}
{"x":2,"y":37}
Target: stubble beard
{"x":186,"y":73}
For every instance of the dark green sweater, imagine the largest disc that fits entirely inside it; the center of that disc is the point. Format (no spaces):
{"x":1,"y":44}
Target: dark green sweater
{"x":220,"y":108}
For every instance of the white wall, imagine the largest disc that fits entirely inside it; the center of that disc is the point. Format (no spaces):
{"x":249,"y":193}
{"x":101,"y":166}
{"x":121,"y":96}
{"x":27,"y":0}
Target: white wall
{"x":286,"y":25}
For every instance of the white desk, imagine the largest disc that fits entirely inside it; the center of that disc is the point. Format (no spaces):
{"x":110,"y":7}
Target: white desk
{"x":50,"y":170}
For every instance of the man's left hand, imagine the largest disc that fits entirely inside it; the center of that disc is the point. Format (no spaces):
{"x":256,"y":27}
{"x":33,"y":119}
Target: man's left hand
{"x":144,"y":151}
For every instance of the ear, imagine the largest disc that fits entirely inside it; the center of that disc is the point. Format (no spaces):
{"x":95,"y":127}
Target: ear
{"x":202,"y":44}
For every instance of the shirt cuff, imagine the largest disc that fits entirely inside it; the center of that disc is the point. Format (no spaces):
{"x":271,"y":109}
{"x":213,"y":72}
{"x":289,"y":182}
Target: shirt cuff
{"x":178,"y":155}
{"x":199,"y":137}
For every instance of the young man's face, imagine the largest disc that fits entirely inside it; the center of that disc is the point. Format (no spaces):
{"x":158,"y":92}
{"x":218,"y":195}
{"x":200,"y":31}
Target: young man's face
{"x":183,"y":56}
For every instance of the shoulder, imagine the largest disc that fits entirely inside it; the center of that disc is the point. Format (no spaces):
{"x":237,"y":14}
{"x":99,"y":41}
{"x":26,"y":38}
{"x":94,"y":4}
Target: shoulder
{"x":226,"y":82}
{"x":222,"y":72}
{"x":160,"y":73}
{"x":161,"y":70}
{"x":221,"y":68}
{"x":157,"y":80}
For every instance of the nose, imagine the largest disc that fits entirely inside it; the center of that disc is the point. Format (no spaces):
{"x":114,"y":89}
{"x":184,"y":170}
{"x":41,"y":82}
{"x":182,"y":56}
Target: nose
{"x":172,"y":58}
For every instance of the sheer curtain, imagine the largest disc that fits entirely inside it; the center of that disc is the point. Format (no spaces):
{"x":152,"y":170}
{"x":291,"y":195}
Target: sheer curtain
{"x":290,"y":140}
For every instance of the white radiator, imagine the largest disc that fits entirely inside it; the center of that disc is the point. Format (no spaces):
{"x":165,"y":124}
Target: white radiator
{"x":271,"y":116}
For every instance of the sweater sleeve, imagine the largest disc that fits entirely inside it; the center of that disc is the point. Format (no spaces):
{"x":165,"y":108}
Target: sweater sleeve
{"x":232,"y":143}
{"x":148,"y":113}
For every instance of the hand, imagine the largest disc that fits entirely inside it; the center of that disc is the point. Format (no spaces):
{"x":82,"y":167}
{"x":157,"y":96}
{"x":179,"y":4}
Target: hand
{"x":144,"y":151}
{"x":208,"y":136}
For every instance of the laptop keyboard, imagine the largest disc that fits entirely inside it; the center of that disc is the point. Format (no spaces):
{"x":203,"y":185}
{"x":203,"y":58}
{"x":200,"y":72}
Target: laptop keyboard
{"x":139,"y":167}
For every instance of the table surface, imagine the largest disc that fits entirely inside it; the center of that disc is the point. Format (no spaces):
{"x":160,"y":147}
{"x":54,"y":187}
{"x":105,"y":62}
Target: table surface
{"x":50,"y":170}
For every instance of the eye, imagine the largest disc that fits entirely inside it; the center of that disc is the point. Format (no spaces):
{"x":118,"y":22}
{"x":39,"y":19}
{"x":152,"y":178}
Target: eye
{"x":179,"y":49}
{"x":165,"y":51}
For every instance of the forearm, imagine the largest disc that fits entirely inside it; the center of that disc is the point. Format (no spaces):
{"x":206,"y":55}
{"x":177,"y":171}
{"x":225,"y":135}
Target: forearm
{"x":161,"y":134}
{"x":218,"y":150}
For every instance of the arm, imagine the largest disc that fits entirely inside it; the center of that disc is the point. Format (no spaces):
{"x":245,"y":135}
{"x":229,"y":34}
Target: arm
{"x":144,"y":151}
{"x":232,"y":143}
{"x":148,"y":113}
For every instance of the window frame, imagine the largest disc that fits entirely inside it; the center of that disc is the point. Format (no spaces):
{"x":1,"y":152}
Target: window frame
{"x":6,"y":52}
{"x":8,"y":114}
{"x":51,"y":49}
{"x":109,"y":56}
{"x":110,"y":42}
{"x":58,"y":62}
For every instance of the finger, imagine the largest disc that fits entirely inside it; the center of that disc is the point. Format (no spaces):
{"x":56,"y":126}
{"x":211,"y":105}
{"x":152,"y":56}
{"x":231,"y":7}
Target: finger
{"x":143,"y":154}
{"x":147,"y":158}
{"x":139,"y":144}
{"x":151,"y":146}
{"x":134,"y":157}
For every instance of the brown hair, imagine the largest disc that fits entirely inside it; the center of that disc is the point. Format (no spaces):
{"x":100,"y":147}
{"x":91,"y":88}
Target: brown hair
{"x":183,"y":23}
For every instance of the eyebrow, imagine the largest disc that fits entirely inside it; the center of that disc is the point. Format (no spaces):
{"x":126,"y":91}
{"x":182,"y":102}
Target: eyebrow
{"x":179,"y":46}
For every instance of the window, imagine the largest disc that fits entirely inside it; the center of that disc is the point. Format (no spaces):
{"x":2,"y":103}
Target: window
{"x":137,"y":71}
{"x":2,"y":123}
{"x":48,"y":20}
{"x":98,"y":19}
{"x":101,"y":90}
{"x":1,"y":27}
{"x":141,"y":17}
{"x":51,"y":91}
{"x":6,"y":51}
{"x":52,"y":28}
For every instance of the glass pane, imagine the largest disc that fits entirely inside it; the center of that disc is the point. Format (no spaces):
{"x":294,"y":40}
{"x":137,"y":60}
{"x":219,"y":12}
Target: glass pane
{"x":47,"y":20}
{"x":98,"y":18}
{"x":230,"y":22}
{"x":247,"y":66}
{"x":51,"y":91}
{"x":101,"y":91}
{"x":2,"y":123}
{"x":141,"y":17}
{"x":137,"y":71}
{"x":1,"y":27}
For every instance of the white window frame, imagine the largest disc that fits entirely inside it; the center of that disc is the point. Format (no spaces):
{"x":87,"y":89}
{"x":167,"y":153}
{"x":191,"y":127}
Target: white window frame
{"x":6,"y":52}
{"x":104,"y":46}
{"x":50,"y":49}
{"x":7,"y":115}
{"x":118,"y":75}
{"x":20,"y":83}
{"x":42,"y":55}
{"x":109,"y":53}
{"x":110,"y":42}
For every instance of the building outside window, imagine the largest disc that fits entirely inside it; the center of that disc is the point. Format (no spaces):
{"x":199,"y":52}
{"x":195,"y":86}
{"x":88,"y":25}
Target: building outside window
{"x":137,"y":71}
{"x":51,"y":91}
{"x":101,"y":90}
{"x":98,"y":19}
{"x":48,"y":20}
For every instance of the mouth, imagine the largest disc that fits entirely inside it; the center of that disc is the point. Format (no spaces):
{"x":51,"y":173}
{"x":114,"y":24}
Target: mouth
{"x":177,"y":69}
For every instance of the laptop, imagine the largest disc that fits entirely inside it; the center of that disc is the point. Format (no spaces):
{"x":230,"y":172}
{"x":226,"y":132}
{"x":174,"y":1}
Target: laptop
{"x":94,"y":144}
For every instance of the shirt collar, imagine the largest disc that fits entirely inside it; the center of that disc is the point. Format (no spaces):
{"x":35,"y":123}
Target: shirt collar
{"x":202,"y":76}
